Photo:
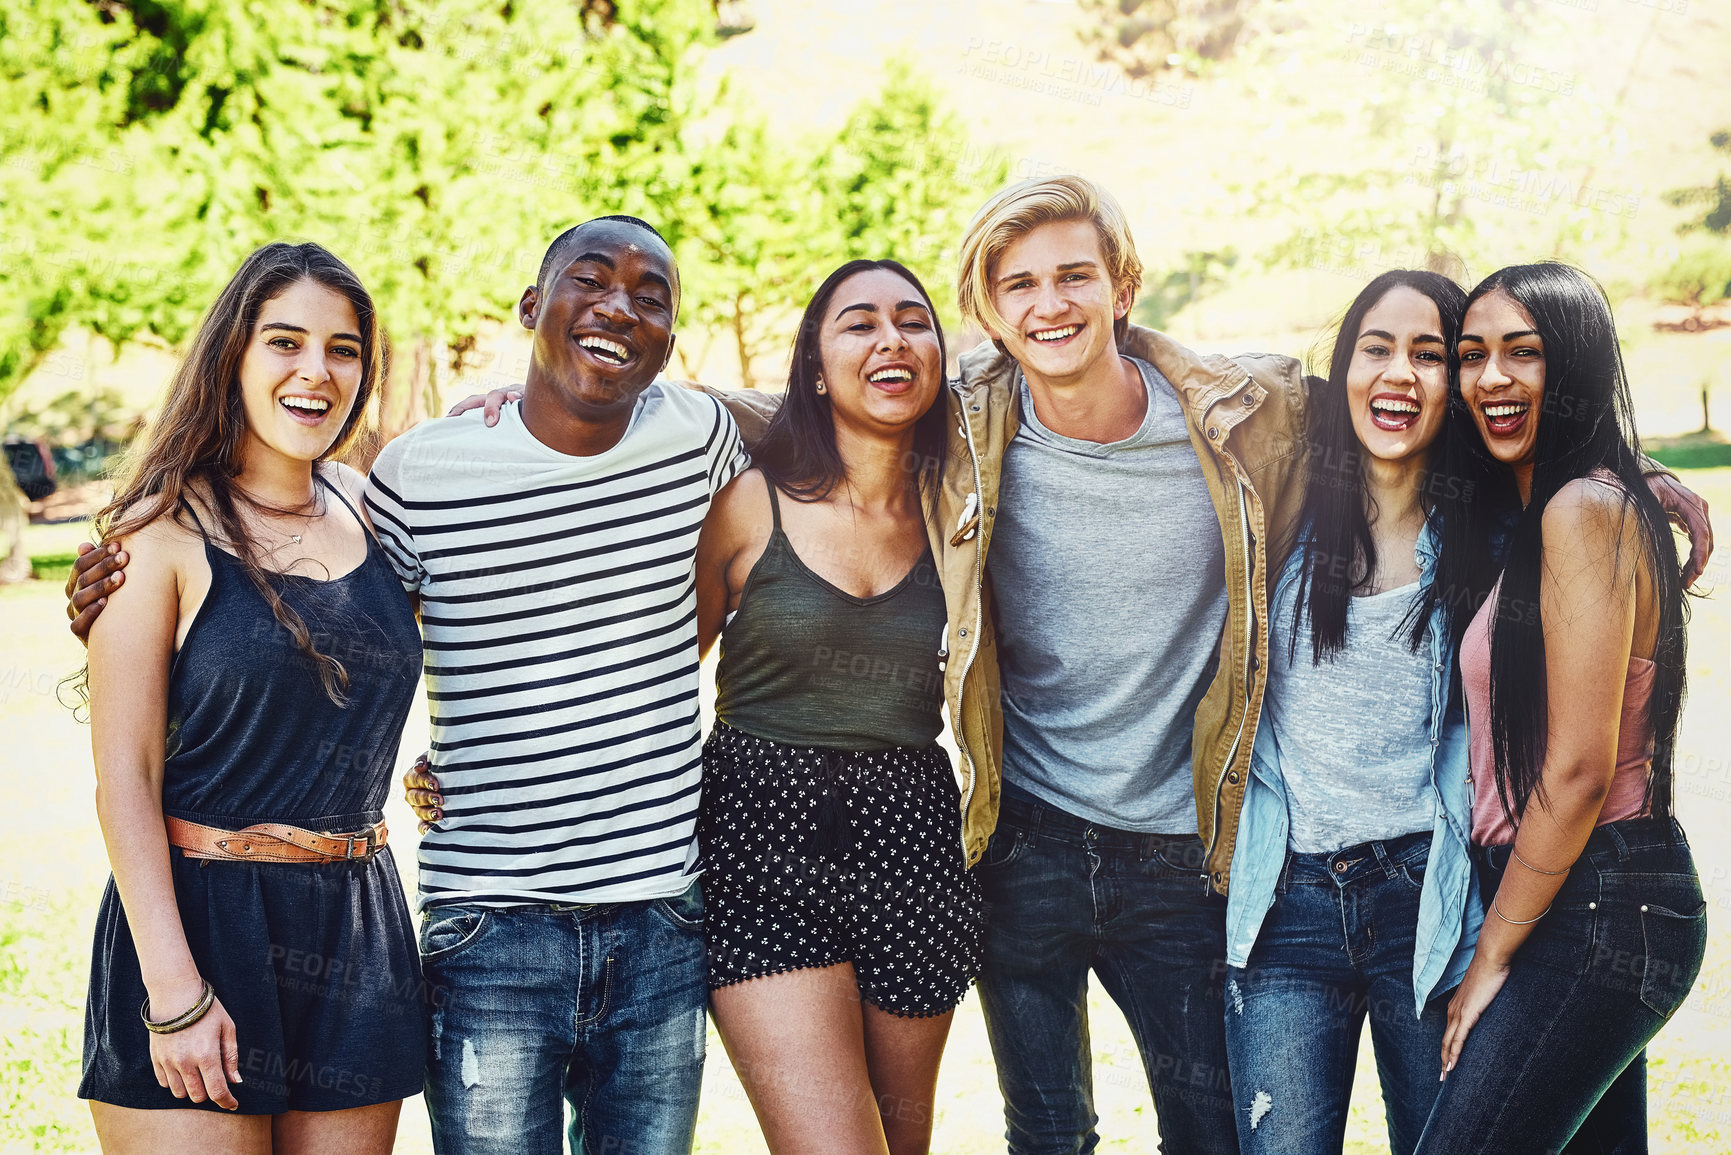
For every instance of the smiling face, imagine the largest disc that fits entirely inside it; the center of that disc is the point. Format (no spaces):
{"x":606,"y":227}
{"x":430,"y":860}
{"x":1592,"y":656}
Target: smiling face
{"x":603,"y":318}
{"x":1503,"y":376}
{"x":300,"y":372}
{"x":882,"y":364}
{"x":1052,"y":288}
{"x":1397,"y":381}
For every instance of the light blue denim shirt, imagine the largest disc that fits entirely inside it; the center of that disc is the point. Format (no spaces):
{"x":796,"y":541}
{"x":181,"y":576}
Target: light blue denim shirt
{"x":1449,"y":911}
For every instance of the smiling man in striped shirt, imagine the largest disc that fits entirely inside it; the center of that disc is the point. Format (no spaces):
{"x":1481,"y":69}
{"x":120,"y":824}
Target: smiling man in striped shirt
{"x":553,"y":555}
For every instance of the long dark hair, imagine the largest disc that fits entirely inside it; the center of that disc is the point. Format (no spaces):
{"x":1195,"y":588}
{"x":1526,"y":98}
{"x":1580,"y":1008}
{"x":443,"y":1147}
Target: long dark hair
{"x":798,"y":453}
{"x":1339,"y":552}
{"x":1586,"y":423}
{"x":193,"y":450}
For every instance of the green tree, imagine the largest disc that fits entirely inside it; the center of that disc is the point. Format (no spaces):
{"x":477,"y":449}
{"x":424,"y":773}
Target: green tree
{"x":902,"y":179}
{"x":1715,"y":218}
{"x":1701,"y":274}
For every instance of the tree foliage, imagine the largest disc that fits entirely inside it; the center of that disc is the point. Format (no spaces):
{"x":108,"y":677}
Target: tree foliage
{"x":1715,"y":198}
{"x":436,"y":145}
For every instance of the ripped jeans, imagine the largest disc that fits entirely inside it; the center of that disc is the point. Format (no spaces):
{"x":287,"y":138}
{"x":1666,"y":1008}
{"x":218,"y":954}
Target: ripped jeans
{"x":534,"y":1006}
{"x":1335,"y":949}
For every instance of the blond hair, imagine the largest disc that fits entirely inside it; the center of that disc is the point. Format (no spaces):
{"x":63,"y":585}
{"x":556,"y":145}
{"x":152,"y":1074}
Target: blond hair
{"x":1024,"y":206}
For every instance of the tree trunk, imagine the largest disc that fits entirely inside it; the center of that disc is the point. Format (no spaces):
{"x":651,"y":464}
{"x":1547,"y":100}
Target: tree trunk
{"x":14,"y":516}
{"x":739,"y":326}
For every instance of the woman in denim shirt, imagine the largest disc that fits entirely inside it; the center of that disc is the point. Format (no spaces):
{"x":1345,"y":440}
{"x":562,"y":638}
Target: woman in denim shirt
{"x":1352,"y":893}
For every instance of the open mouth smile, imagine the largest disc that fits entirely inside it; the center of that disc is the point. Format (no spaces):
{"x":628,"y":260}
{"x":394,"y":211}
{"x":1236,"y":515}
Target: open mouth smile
{"x":608,"y":352}
{"x":1394,"y":413}
{"x":1505,"y":418}
{"x":892,"y":378}
{"x":1055,"y":336}
{"x":306,"y":410}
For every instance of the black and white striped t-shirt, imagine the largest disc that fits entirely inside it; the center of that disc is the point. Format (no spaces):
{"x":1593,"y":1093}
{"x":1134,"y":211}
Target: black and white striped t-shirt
{"x":560,"y":614}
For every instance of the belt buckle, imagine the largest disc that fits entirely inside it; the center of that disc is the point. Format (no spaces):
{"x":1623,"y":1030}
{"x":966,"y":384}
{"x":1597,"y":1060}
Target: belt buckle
{"x":369,"y":838}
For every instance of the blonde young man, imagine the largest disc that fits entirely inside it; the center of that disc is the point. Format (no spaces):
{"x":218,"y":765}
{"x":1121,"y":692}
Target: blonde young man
{"x":1131,"y":492}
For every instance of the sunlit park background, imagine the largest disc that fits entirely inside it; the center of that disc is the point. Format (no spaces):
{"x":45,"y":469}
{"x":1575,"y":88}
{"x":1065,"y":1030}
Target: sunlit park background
{"x":1273,"y":155}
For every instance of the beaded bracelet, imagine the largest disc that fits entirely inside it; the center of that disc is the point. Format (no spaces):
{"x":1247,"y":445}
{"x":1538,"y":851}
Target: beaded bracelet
{"x":182,"y":1021}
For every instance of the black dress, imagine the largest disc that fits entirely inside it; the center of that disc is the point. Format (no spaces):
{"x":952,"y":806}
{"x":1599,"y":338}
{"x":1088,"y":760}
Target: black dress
{"x":315,"y":963}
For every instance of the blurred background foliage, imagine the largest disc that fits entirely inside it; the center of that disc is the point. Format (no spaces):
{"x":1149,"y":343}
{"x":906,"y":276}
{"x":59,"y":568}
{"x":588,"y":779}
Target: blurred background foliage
{"x":147,"y":145}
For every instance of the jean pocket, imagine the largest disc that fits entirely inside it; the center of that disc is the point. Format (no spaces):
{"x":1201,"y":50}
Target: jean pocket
{"x":1564,"y":939}
{"x":1186,"y":856}
{"x":1007,"y":844}
{"x":445,"y":931}
{"x":1673,"y":943}
{"x":684,"y":910}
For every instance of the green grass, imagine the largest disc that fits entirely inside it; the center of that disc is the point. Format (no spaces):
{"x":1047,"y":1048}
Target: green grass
{"x":44,"y":967}
{"x":1695,"y":452}
{"x":52,"y":567}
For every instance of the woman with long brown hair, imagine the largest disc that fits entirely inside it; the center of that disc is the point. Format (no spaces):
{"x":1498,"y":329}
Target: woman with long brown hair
{"x":254,"y":985}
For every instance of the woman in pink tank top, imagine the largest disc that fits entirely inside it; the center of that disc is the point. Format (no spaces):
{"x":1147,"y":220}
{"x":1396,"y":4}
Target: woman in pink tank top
{"x":1572,"y":672}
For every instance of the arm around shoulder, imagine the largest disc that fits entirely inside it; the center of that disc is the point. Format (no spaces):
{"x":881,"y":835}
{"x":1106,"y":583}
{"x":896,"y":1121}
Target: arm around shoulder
{"x":752,"y":409}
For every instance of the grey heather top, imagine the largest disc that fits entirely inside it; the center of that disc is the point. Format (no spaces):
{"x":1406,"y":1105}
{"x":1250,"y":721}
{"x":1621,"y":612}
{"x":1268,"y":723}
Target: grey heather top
{"x":1109,"y":576}
{"x":1354,"y":732}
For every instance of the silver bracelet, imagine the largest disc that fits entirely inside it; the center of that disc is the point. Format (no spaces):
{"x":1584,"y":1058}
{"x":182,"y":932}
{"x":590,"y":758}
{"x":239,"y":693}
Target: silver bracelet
{"x":1533,"y":868}
{"x":1518,"y":921}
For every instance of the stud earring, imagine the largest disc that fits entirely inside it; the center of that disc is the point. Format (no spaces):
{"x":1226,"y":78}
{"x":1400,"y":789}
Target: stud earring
{"x":820,"y":387}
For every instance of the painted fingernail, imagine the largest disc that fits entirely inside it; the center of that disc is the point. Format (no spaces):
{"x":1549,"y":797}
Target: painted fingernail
{"x":101,"y":601}
{"x":438,"y":816}
{"x":438,"y":800}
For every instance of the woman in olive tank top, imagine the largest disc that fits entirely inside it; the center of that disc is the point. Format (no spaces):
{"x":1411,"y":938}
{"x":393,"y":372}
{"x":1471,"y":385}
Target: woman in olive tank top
{"x":843,"y":926}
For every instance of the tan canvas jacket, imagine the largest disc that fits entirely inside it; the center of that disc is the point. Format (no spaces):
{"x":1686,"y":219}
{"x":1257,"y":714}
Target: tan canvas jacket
{"x":1246,"y":422}
{"x":1246,"y":417}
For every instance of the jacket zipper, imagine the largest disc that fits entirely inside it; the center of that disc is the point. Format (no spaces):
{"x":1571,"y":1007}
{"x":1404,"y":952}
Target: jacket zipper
{"x":1249,"y":637}
{"x":1250,"y":653}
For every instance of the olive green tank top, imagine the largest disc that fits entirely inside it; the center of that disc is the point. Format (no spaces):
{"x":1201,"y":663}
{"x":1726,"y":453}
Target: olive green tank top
{"x":806,"y":664}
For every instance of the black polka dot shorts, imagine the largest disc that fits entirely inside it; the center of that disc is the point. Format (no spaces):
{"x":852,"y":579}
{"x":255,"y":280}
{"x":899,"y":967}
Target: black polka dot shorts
{"x":816,"y":857}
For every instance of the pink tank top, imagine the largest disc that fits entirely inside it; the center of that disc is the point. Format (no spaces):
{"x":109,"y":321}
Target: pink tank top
{"x":1627,"y":798}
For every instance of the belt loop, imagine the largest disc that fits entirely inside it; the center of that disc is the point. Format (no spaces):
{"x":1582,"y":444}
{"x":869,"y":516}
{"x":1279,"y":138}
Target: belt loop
{"x":1377,"y":848}
{"x":1034,"y":819}
{"x":1285,"y":881}
{"x":1617,"y":840}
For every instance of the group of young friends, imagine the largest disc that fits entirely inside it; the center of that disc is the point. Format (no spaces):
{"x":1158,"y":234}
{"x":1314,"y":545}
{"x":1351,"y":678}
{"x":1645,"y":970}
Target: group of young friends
{"x":1283,"y":703}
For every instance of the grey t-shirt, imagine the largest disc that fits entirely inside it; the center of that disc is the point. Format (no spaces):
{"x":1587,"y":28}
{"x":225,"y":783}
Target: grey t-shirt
{"x":1109,"y":576}
{"x":1354,"y":732}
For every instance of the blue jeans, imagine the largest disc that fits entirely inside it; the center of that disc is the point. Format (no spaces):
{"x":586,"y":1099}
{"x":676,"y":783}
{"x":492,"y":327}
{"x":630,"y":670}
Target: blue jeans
{"x":1065,"y":897}
{"x":1335,"y":949}
{"x":1556,"y":1062}
{"x":532,"y":1006}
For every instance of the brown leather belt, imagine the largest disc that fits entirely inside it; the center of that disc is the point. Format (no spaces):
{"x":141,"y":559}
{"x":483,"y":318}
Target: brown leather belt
{"x":273,"y":842}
